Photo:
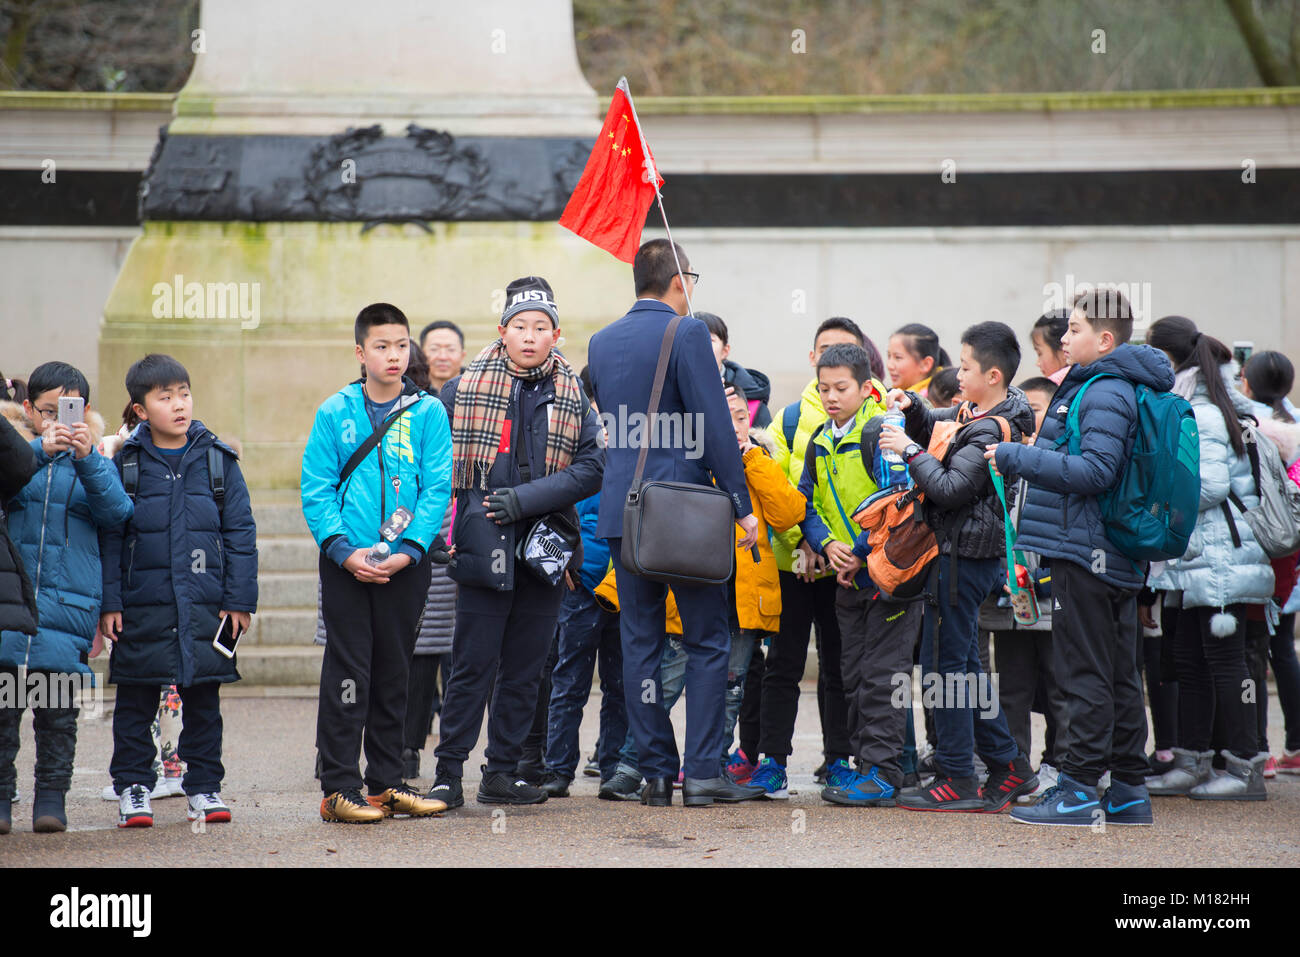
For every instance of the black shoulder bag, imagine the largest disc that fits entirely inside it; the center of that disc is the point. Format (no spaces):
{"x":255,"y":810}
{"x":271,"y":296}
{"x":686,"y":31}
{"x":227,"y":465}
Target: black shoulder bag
{"x":676,"y":532}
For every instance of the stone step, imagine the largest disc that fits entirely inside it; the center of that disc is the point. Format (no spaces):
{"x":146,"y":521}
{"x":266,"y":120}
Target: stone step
{"x":276,"y":627}
{"x":286,"y":553}
{"x":287,"y":590}
{"x":278,"y":518}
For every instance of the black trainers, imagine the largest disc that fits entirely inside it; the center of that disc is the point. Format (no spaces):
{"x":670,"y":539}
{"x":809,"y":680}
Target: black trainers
{"x":556,"y":785}
{"x":530,"y":769}
{"x":1007,"y":782}
{"x":944,"y":794}
{"x":446,"y":788}
{"x":592,"y":768}
{"x":819,"y":773}
{"x":623,"y":786}
{"x":505,"y":787}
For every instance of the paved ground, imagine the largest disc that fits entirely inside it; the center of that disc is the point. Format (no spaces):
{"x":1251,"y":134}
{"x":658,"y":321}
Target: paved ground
{"x":269,"y":786}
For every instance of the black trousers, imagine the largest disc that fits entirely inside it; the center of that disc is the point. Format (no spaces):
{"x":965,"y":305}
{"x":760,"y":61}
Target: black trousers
{"x":877,"y":639}
{"x":751,"y":705}
{"x":55,"y":724}
{"x":1212,"y":676}
{"x":421,"y":697}
{"x":1094,"y":642}
{"x":501,"y":635}
{"x":1025,"y":675}
{"x":134,"y":751}
{"x":365,"y":674}
{"x":802,"y":603}
{"x":535,"y":741}
{"x":1257,"y":665}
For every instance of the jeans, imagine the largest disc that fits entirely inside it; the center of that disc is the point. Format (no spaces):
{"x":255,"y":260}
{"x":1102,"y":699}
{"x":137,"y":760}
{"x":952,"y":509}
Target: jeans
{"x":55,"y":724}
{"x":586,"y":632}
{"x":1212,"y":673}
{"x":742,"y":652}
{"x":950,"y":646}
{"x":134,"y":711}
{"x":672,"y":679}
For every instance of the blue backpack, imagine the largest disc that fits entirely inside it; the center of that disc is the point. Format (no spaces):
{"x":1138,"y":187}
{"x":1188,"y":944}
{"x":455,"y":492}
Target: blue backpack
{"x":1150,"y":513}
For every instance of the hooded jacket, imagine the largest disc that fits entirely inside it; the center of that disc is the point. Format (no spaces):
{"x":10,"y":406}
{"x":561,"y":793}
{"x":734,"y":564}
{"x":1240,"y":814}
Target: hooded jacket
{"x":1214,"y":572}
{"x":1062,"y":517}
{"x":790,"y":455}
{"x":17,"y":597}
{"x":757,"y":388}
{"x":54,"y":522}
{"x":177,"y":564}
{"x":411,"y":467}
{"x":961,"y":504}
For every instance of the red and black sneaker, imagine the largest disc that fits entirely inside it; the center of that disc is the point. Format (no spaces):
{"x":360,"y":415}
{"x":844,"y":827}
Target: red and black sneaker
{"x":1007,"y":782}
{"x":944,"y":794}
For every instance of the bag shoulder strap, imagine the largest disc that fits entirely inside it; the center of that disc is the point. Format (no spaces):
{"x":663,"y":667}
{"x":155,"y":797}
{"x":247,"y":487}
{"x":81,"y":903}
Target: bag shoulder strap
{"x":131,"y":472}
{"x":1071,"y":433}
{"x":661,"y":370}
{"x":371,"y":441}
{"x":217,"y":476}
{"x":790,"y":424}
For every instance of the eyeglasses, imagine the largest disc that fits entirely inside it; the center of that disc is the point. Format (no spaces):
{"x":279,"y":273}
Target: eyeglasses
{"x":694,"y":276}
{"x":48,"y":415}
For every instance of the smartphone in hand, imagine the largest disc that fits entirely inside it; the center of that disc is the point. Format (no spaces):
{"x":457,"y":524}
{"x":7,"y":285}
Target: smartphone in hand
{"x":225,"y":640}
{"x":72,"y":410}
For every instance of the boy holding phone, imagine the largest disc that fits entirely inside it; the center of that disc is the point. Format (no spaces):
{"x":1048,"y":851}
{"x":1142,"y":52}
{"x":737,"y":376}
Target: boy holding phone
{"x":187,"y":558}
{"x":52,"y":521}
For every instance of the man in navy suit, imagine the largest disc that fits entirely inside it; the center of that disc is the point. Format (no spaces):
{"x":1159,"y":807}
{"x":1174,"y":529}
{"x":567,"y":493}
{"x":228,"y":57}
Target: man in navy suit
{"x":622,"y":358}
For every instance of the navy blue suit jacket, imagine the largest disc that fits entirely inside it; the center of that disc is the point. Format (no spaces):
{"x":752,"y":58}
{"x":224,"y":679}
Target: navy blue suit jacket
{"x":702,"y":447}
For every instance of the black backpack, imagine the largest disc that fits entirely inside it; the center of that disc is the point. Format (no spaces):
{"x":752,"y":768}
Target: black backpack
{"x":216,"y":474}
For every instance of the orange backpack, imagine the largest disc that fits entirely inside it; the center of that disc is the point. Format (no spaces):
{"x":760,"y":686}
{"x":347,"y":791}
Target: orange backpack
{"x":902,"y":545}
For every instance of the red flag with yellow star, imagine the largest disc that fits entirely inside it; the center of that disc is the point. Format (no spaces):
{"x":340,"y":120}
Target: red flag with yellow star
{"x":609,"y":205}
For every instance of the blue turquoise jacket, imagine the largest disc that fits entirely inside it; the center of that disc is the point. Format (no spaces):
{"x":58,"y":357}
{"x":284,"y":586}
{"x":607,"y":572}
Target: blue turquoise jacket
{"x":411,"y":466}
{"x":54,"y":523}
{"x":595,"y":551}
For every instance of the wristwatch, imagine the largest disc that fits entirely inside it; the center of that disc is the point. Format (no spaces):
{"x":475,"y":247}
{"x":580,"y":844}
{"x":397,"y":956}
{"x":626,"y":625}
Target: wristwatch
{"x":911,"y":452}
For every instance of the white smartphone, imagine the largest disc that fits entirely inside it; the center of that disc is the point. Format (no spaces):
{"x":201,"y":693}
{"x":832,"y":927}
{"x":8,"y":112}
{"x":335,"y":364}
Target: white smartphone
{"x":225,"y":640}
{"x":72,"y":410}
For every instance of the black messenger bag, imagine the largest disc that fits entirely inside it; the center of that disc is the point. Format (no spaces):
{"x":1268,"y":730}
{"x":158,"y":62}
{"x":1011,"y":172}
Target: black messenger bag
{"x":676,"y":532}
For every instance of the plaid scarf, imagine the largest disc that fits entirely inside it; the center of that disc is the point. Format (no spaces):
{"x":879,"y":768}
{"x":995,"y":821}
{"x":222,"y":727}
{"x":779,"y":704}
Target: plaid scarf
{"x":483,"y":403}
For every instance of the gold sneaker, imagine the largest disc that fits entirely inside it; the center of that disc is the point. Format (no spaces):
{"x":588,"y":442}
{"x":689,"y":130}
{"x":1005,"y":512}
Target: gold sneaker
{"x":347,"y":807}
{"x":404,"y":799}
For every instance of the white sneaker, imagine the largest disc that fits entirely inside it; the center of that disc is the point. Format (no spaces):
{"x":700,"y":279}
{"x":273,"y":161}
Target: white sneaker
{"x":208,"y":806}
{"x":1103,"y":782}
{"x":1047,"y":777}
{"x":133,"y":808}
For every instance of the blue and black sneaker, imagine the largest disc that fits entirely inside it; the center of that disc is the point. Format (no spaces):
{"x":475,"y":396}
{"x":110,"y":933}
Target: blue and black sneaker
{"x":1069,"y":804}
{"x":1127,"y":804}
{"x":861,"y":790}
{"x":770,"y":776}
{"x":838,"y":773}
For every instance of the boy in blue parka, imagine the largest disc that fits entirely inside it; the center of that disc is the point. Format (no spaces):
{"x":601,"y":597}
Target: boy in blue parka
{"x":53,"y":521}
{"x":1094,"y":586}
{"x":377,"y":444}
{"x":186,"y":560}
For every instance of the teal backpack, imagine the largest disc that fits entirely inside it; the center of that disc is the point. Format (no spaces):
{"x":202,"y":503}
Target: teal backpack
{"x":1150,"y":513}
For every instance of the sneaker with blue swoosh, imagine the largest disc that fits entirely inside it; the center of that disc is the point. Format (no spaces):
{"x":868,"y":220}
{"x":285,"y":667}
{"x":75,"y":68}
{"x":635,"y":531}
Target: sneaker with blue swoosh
{"x":1069,"y":804}
{"x":1127,"y":804}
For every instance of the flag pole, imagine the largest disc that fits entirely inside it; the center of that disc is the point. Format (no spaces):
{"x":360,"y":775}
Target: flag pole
{"x":654,"y":181}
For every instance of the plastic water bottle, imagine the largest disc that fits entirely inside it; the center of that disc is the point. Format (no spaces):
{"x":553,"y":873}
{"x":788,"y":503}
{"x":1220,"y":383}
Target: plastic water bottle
{"x":893,"y":470}
{"x":1024,"y":603}
{"x":379,"y":553}
{"x":396,"y":524}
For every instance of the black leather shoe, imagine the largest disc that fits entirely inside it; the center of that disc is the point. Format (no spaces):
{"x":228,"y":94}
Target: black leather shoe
{"x":658,"y":792}
{"x":697,"y":792}
{"x":556,"y":785}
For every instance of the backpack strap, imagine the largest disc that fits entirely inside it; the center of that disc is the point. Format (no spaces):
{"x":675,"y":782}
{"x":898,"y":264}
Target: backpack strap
{"x":217,"y":476}
{"x":790,"y":423}
{"x":131,"y":472}
{"x":1071,"y":433}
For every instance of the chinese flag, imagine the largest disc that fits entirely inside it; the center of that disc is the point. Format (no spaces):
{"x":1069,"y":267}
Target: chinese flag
{"x":609,"y":205}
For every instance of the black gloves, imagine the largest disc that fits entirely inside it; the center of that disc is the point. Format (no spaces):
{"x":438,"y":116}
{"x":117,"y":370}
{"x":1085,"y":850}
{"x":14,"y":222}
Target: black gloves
{"x":503,"y":506}
{"x":439,"y":553}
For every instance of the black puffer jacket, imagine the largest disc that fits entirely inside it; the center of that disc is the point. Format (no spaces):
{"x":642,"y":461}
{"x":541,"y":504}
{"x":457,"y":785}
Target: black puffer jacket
{"x":17,"y":599}
{"x":481,"y":544}
{"x":961,"y":504}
